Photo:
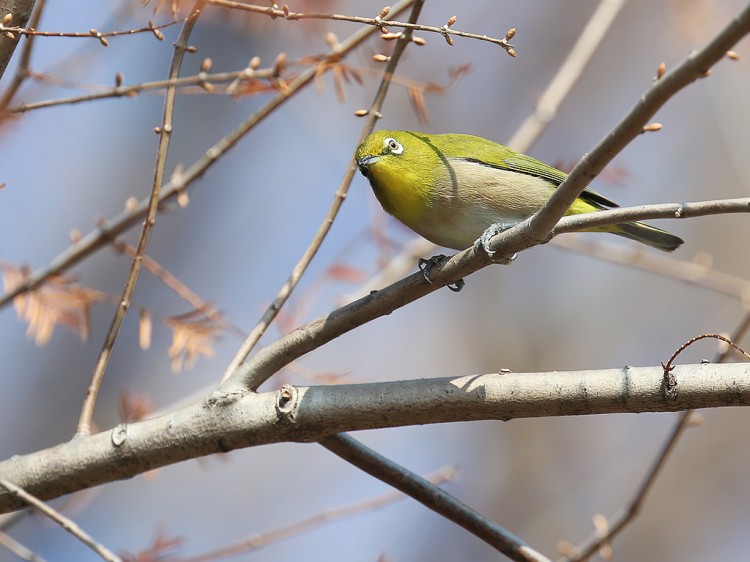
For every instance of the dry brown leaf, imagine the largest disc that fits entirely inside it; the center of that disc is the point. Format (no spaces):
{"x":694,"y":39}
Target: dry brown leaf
{"x":193,"y":336}
{"x":58,"y":301}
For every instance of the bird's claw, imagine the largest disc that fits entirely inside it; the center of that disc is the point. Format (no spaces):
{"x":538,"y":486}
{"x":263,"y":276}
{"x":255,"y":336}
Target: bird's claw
{"x":484,"y":242}
{"x":426,"y":265}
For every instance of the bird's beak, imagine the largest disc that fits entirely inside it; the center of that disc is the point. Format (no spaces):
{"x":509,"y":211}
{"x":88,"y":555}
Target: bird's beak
{"x":365,"y":163}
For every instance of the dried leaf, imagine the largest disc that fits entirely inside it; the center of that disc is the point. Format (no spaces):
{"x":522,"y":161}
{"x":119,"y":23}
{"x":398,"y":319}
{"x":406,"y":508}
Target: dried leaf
{"x":58,"y":301}
{"x":145,"y":327}
{"x":193,"y":336}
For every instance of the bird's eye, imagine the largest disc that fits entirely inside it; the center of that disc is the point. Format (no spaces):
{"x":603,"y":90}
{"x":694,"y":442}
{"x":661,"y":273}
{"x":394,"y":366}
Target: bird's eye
{"x":392,"y":146}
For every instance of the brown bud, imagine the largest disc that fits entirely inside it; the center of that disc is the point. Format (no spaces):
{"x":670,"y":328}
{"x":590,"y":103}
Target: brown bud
{"x":510,"y":34}
{"x":512,"y":52}
{"x":104,"y":41}
{"x":75,"y":235}
{"x":419,"y":41}
{"x":7,"y":18}
{"x":451,"y":21}
{"x":661,"y":70}
{"x":285,"y":9}
{"x":389,"y":36}
{"x":448,"y":39}
{"x":706,"y":74}
{"x":361,"y":112}
{"x":384,"y":12}
{"x":733,"y":55}
{"x":652,"y":127}
{"x":206,"y":65}
{"x":118,"y":79}
{"x":279,"y":65}
{"x":381,"y":58}
{"x":183,"y":199}
{"x":254,"y":63}
{"x":131,"y":204}
{"x":331,"y":39}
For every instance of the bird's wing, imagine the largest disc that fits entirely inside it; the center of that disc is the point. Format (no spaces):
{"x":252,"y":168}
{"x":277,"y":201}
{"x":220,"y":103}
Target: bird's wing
{"x":528,"y":165}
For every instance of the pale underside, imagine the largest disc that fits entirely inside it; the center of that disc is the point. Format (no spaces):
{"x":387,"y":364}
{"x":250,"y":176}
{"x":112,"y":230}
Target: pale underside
{"x":488,"y":196}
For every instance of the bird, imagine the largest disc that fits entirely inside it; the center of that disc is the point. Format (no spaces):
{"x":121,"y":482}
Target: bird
{"x":458,"y":190}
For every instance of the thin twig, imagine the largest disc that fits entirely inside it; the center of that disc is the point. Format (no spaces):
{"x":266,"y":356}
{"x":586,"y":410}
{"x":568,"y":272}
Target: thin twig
{"x":18,"y":549}
{"x":378,"y":22}
{"x":31,"y":31}
{"x":128,"y":91}
{"x":67,"y":524}
{"x":87,"y":411}
{"x":430,"y":496}
{"x":635,"y":256}
{"x":585,"y":221}
{"x":308,"y":524}
{"x":299,"y":269}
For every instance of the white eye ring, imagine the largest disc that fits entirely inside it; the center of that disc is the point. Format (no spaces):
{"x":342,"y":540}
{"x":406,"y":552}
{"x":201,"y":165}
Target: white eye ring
{"x":392,"y":146}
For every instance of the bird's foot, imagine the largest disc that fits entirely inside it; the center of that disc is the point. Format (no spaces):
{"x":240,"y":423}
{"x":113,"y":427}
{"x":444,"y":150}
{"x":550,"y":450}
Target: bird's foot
{"x":484,"y":241}
{"x":425,"y":266}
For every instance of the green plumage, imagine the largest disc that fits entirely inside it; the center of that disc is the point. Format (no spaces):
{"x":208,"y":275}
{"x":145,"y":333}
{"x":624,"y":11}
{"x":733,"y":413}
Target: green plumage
{"x":450,"y":188}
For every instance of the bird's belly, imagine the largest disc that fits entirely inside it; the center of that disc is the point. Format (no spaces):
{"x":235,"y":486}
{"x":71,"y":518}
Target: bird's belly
{"x":476,"y":197}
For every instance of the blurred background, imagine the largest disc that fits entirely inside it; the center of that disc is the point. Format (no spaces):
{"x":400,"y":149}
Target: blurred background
{"x":253,"y":214}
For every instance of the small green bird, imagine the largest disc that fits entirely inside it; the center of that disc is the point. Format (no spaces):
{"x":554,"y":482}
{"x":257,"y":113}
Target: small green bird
{"x":452,"y":188}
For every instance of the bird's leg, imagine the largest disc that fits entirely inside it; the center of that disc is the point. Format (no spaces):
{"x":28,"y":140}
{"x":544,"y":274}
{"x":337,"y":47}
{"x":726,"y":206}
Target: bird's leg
{"x":425,"y":266}
{"x":484,"y":241}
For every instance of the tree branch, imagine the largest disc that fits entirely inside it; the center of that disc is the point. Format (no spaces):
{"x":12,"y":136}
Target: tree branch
{"x":229,"y":420}
{"x":20,"y":11}
{"x":431,"y":496}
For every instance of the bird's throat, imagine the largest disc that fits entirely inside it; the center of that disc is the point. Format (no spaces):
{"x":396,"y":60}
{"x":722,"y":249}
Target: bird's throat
{"x":401,"y":195}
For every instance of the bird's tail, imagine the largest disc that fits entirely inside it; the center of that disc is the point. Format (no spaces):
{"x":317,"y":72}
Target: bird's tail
{"x":649,"y":235}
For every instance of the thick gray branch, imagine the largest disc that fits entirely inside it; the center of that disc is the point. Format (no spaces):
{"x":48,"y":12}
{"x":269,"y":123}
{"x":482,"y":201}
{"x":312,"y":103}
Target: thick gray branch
{"x":226,"y":421}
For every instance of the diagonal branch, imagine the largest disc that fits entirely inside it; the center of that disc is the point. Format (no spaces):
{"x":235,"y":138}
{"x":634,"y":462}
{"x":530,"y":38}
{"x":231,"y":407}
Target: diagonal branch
{"x":69,"y":525}
{"x":317,"y":333}
{"x":431,"y":496}
{"x":694,"y":66}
